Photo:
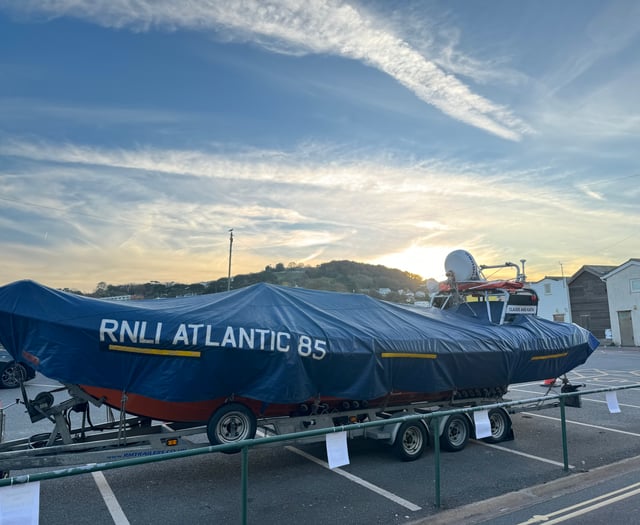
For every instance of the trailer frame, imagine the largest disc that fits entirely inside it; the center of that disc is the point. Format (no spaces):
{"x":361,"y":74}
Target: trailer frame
{"x":127,"y":437}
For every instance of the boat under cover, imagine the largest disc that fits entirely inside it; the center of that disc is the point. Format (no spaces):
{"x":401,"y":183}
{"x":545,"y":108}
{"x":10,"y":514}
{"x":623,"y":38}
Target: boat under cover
{"x":274,"y":345}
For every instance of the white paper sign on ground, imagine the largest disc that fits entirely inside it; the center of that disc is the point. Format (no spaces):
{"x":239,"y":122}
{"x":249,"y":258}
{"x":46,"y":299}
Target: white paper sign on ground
{"x":483,"y":426}
{"x":337,"y":451}
{"x":612,"y":402}
{"x":20,"y":504}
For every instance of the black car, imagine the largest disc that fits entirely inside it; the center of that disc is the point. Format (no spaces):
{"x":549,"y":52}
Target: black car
{"x":11,"y":372}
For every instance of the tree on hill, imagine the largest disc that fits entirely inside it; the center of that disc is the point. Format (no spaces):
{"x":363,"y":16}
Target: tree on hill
{"x":339,"y":276}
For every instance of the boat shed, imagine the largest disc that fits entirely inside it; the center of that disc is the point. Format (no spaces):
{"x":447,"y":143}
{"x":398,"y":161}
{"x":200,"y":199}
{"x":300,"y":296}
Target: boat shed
{"x":589,"y":301}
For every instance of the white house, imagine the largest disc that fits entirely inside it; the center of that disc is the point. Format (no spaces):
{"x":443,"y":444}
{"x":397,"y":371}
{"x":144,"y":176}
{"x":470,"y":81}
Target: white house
{"x":553,"y":296}
{"x":623,"y":293}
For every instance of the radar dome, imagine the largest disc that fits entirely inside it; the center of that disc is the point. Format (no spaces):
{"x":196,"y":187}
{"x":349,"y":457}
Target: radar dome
{"x":463,"y":266}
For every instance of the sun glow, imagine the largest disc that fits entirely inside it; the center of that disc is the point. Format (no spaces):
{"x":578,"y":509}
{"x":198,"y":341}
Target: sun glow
{"x":421,"y":260}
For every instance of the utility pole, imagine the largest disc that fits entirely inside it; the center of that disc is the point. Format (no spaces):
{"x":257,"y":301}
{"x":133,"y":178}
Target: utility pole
{"x":230,"y":248}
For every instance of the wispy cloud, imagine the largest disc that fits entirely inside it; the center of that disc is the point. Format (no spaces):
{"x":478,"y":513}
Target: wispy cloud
{"x":158,"y":206}
{"x":590,"y":193}
{"x":375,"y":174}
{"x":16,"y":108}
{"x":303,"y":167}
{"x":613,"y":30}
{"x":300,"y":27}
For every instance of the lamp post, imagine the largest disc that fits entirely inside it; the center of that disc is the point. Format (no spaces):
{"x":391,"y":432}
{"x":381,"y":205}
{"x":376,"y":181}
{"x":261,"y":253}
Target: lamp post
{"x":230,"y":248}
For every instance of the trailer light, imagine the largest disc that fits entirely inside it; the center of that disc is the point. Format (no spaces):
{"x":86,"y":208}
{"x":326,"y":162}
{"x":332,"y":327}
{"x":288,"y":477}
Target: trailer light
{"x":172,"y":442}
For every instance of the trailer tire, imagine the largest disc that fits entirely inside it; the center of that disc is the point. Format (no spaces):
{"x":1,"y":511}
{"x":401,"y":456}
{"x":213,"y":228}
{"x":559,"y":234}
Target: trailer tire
{"x":455,"y":433}
{"x":411,"y":441}
{"x":231,"y":423}
{"x":500,"y":426}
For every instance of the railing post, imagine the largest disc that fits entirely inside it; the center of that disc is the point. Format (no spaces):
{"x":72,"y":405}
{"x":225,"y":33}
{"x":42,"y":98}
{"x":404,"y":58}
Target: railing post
{"x":243,"y":481}
{"x":563,"y":423}
{"x":435,"y":432}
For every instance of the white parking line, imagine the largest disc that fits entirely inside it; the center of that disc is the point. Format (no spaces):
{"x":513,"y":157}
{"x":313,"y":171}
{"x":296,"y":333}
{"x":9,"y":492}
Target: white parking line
{"x":522,"y":391}
{"x":602,"y":401}
{"x":597,"y":427}
{"x":382,"y":492}
{"x":518,"y":453}
{"x":110,"y":500}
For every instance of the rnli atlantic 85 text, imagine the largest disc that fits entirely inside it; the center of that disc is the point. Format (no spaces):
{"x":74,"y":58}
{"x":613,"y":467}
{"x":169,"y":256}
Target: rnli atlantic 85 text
{"x":206,"y":335}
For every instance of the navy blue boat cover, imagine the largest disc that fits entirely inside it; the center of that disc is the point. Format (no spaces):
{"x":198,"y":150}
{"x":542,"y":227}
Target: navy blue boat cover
{"x":277,"y":344}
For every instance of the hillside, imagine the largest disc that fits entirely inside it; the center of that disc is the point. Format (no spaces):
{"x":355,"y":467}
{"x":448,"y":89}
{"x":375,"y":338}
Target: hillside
{"x":340,"y":276}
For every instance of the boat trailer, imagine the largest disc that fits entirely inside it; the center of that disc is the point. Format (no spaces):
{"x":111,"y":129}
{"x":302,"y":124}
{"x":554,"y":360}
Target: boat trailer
{"x":125,"y":437}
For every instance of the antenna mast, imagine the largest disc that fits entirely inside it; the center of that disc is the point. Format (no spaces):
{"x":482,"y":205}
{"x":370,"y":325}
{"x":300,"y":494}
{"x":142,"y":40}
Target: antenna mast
{"x":230,"y":248}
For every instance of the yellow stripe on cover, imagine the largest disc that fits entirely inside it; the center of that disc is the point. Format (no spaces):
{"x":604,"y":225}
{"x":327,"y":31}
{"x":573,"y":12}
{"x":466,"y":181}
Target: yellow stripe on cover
{"x":155,"y":351}
{"x":552,"y":356}
{"x":415,"y":356}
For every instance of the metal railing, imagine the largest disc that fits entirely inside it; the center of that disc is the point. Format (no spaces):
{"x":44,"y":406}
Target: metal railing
{"x":433,"y":418}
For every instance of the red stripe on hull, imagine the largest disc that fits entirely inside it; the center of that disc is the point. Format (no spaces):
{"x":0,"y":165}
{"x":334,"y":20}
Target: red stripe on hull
{"x":201,"y":411}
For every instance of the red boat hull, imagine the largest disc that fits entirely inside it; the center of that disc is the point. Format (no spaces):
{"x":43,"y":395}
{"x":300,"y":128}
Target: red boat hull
{"x":201,"y":411}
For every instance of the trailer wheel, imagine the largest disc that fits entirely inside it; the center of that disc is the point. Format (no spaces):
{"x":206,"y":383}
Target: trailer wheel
{"x":455,"y":433}
{"x":500,"y":426}
{"x":410,"y":441}
{"x":231,"y":423}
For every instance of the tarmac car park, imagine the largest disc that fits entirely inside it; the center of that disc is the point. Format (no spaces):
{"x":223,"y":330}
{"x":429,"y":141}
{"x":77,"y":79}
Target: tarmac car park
{"x":294,"y":481}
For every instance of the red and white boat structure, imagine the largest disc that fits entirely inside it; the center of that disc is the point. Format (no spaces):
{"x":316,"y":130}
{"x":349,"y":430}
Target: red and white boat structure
{"x":466,"y":287}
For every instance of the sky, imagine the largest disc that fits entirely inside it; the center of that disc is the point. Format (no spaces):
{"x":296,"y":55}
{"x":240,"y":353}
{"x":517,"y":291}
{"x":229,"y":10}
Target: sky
{"x":134,"y":134}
